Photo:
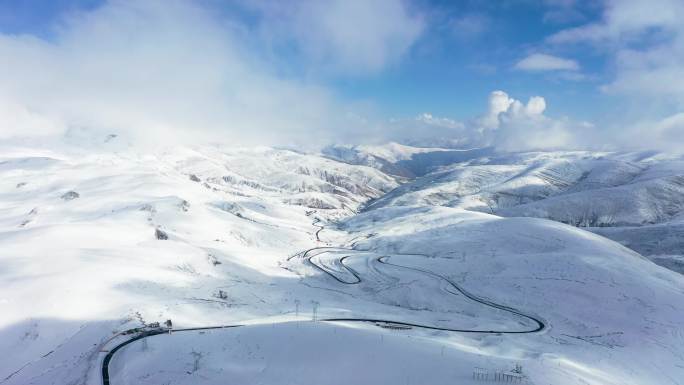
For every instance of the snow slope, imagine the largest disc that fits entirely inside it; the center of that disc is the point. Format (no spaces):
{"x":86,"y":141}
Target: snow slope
{"x":602,"y":304}
{"x":93,"y":243}
{"x":401,"y":160}
{"x":611,"y":193}
{"x":605,"y":304}
{"x":92,"y":257}
{"x":304,"y":353}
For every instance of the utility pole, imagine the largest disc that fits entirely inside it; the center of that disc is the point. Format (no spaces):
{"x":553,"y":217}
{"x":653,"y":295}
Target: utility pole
{"x":315,"y":309}
{"x":296,"y":301}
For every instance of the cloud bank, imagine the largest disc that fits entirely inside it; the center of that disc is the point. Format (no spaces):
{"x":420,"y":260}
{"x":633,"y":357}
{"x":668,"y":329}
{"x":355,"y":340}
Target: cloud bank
{"x":264,"y":72}
{"x":507,"y":124}
{"x":174,"y":71}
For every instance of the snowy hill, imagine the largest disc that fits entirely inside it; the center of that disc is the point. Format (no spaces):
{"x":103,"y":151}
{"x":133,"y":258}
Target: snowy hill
{"x":591,"y":290}
{"x":585,"y":189}
{"x":401,"y":160}
{"x":97,"y":243}
{"x":88,"y":237}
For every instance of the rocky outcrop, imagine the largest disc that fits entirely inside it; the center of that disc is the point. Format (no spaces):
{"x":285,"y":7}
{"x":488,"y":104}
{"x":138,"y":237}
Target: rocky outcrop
{"x":70,"y":195}
{"x":160,"y":235}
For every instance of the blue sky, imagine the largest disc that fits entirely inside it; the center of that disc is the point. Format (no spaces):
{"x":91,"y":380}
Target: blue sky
{"x":452,"y":68}
{"x":36,"y":16}
{"x":379,"y":61}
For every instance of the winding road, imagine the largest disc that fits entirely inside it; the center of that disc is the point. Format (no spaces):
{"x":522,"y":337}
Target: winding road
{"x":338,"y":266}
{"x":326,"y":269}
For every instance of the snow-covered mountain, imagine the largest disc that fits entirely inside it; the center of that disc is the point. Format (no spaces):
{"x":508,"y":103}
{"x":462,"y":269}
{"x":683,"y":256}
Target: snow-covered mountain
{"x":623,"y":196}
{"x":401,"y":160}
{"x":97,"y":236}
{"x":431,"y":274}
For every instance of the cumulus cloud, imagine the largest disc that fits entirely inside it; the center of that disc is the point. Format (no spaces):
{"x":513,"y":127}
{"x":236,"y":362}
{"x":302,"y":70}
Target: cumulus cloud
{"x":536,"y":105}
{"x":513,"y":126}
{"x":176,"y":71}
{"x":544,"y":62}
{"x":498,"y":103}
{"x":507,"y":124}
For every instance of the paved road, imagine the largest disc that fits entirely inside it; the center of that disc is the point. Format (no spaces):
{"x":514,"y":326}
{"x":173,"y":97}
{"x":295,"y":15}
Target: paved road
{"x":311,"y":259}
{"x":308,"y":256}
{"x":108,"y":358}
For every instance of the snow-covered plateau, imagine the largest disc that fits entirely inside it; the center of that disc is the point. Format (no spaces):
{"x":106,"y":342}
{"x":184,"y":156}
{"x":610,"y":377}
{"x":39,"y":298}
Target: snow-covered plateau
{"x":359,"y":265}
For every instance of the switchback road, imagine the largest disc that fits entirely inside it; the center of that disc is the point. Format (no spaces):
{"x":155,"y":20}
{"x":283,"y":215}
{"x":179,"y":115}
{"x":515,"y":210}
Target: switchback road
{"x":337,"y":268}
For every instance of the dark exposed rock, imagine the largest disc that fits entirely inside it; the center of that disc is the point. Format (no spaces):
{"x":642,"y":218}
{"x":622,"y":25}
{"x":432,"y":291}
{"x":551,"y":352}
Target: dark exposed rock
{"x":213,"y":260}
{"x":243,"y":182}
{"x":313,"y":203}
{"x":194,"y":178}
{"x":21,"y":184}
{"x":221,"y":294}
{"x":161,"y":235}
{"x":70,"y":195}
{"x":184,"y":205}
{"x":148,"y":207}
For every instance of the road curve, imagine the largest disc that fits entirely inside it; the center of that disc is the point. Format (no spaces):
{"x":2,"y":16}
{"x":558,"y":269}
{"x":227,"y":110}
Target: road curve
{"x":319,"y":266}
{"x":320,"y":228}
{"x":540,"y":325}
{"x":108,"y":358}
{"x":382,"y":259}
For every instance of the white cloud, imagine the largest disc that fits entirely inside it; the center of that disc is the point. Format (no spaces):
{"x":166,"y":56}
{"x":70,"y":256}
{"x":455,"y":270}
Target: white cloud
{"x":160,"y":71}
{"x":508,"y":124}
{"x":498,"y":103}
{"x":13,"y":115}
{"x":665,"y":134}
{"x":426,"y":130}
{"x":344,"y":36}
{"x":624,"y":21}
{"x":535,"y":106}
{"x":544,"y":62}
{"x":646,"y":44}
{"x":501,"y":105}
{"x":427,"y":118}
{"x":513,"y":126}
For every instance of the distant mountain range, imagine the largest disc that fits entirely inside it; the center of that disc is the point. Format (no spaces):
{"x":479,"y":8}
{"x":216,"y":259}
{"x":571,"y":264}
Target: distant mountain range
{"x":635,"y":198}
